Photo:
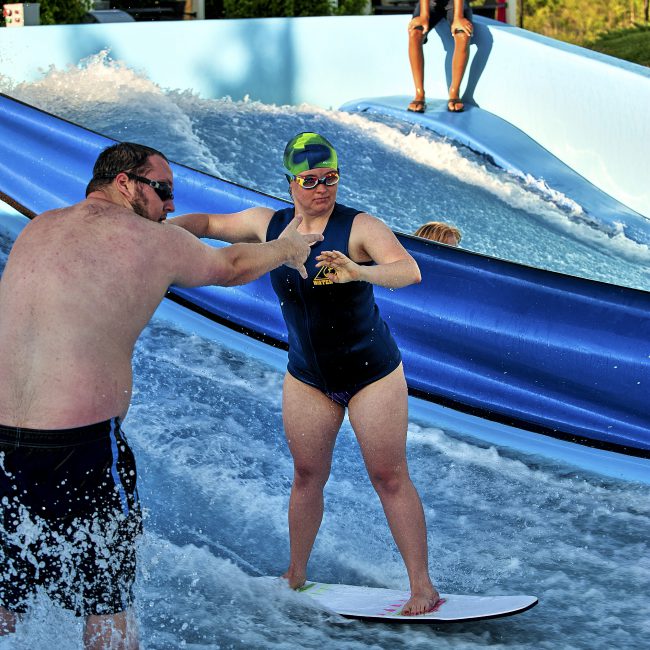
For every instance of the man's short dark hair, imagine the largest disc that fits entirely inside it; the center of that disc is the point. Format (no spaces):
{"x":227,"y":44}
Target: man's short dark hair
{"x":122,"y":157}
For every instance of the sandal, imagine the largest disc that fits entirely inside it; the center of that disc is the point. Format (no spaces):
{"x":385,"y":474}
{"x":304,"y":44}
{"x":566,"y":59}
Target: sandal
{"x":419,"y":106}
{"x":452,"y":105}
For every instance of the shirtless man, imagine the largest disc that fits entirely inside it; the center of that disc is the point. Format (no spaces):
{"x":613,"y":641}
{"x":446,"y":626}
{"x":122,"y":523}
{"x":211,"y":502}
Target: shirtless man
{"x":79,"y":286}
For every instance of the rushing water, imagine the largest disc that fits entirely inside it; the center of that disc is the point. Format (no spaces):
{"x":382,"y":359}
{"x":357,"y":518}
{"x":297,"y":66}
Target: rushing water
{"x":404,"y":174}
{"x":206,"y":426}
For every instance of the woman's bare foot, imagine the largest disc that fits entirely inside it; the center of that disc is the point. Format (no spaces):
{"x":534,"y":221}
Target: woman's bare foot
{"x":295,"y":581}
{"x":421,"y":603}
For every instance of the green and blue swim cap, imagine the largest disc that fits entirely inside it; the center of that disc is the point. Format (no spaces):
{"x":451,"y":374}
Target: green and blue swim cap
{"x":308,"y":151}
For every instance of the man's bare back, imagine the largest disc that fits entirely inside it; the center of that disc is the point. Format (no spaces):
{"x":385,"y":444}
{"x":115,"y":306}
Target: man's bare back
{"x":79,"y":286}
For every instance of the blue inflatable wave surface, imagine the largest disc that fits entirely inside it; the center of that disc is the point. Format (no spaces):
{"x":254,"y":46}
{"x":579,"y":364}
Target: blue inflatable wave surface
{"x":514,"y":151}
{"x":542,"y":351}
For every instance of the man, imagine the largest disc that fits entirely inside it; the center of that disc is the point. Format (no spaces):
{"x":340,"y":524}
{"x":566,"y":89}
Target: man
{"x":426,"y":16}
{"x":79,"y":286}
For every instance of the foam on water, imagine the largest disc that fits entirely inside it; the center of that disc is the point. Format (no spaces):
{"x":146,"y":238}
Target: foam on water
{"x":404,"y":174}
{"x":206,"y":426}
{"x":216,"y":472}
{"x":214,"y":476}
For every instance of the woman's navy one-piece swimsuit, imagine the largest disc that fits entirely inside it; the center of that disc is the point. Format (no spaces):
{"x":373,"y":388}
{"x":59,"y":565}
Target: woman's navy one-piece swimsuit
{"x":338,"y":341}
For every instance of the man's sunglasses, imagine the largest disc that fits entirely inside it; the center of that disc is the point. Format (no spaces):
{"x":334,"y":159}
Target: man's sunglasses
{"x":310,"y":182}
{"x":161,"y":188}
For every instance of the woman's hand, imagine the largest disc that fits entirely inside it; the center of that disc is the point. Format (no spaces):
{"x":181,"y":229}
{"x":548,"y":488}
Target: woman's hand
{"x":338,"y":267}
{"x":300,"y":245}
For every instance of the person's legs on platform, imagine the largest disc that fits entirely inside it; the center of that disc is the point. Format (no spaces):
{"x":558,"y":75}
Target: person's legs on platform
{"x":416,"y":59}
{"x":458,"y":66}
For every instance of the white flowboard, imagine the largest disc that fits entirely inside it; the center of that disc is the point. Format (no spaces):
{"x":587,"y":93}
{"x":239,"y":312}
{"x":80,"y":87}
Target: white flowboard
{"x":371,"y":603}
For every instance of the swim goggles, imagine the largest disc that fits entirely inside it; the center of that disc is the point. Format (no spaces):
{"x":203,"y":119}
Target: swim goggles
{"x":311,"y":182}
{"x":161,"y":188}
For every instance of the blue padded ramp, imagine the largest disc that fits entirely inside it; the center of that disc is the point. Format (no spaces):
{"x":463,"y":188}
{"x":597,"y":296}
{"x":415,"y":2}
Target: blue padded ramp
{"x":539,"y":350}
{"x":511,"y":149}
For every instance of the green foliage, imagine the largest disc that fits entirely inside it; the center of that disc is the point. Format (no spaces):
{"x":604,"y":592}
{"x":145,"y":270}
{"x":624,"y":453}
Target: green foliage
{"x":61,"y":12}
{"x":351,"y":7}
{"x":580,"y":21}
{"x":269,"y":8}
{"x":629,"y":44}
{"x":307,"y":8}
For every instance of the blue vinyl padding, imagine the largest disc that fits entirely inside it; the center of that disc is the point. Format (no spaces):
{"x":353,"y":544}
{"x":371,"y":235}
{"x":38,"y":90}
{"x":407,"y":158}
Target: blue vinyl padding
{"x":511,"y":149}
{"x":539,"y":350}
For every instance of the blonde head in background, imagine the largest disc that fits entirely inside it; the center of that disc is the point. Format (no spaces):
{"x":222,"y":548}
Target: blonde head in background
{"x":440,"y":232}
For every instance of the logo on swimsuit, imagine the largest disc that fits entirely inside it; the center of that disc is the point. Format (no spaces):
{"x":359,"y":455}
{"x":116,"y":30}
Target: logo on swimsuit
{"x":321,"y":278}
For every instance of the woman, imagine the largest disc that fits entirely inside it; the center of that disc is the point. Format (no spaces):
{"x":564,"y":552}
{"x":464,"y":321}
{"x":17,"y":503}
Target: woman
{"x":341,"y":354}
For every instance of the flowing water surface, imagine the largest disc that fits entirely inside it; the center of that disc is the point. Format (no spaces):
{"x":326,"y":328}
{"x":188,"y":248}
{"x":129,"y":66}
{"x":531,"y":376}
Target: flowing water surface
{"x":206,"y":425}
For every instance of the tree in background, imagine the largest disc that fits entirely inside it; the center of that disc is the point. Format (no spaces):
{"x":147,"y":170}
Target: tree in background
{"x":271,"y":8}
{"x":213,"y":9}
{"x":351,"y":7}
{"x":61,"y":12}
{"x":629,"y":44}
{"x":580,"y":21}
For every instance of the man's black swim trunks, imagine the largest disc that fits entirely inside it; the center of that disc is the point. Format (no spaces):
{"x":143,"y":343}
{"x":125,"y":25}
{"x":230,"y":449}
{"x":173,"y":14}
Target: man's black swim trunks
{"x":70,"y":518}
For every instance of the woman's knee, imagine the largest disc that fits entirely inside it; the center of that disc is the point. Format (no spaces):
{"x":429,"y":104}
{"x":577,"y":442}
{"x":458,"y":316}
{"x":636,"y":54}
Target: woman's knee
{"x":310,"y":476}
{"x":388,"y":480}
{"x":416,"y":37}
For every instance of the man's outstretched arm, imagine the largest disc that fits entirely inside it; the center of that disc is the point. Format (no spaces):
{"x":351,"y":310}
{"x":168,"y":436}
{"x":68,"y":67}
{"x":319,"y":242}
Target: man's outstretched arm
{"x":245,"y":226}
{"x":199,"y":264}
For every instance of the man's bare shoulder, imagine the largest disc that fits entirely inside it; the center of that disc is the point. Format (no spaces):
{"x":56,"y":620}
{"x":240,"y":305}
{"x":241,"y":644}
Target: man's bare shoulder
{"x":104,"y":225}
{"x":84,"y":209}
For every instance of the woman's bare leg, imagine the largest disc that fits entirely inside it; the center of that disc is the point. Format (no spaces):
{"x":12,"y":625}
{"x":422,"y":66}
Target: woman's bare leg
{"x":416,"y":59}
{"x":379,"y":417}
{"x":458,"y":66}
{"x":311,"y":423}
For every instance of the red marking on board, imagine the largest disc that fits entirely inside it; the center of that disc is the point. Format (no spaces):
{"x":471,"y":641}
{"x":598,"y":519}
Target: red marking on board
{"x":438,"y":605}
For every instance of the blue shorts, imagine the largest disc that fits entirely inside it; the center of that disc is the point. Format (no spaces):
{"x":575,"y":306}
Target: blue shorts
{"x":70,"y":518}
{"x":442,"y":9}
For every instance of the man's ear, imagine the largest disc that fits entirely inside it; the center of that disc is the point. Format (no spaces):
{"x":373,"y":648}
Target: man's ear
{"x":120,"y":182}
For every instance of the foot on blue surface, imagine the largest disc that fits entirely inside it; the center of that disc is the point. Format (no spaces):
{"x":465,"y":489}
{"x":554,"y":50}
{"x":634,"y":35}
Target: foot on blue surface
{"x":417,"y":106}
